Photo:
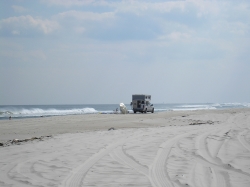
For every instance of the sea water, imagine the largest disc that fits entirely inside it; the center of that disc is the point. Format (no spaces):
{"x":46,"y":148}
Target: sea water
{"x":27,"y":111}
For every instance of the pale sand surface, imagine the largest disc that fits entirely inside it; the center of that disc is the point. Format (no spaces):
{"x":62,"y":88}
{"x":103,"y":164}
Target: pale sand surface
{"x":165,"y":151}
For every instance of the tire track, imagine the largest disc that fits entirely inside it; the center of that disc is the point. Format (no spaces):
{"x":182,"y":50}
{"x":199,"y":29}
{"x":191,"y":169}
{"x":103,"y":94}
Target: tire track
{"x":24,"y":169}
{"x":242,"y":140}
{"x":200,"y":175}
{"x":76,"y":176}
{"x":119,"y":155}
{"x":158,"y":175}
{"x":222,"y":167}
{"x":25,"y":173}
{"x":7,"y":179}
{"x":205,"y":162}
{"x":220,"y":180}
{"x":202,"y":148}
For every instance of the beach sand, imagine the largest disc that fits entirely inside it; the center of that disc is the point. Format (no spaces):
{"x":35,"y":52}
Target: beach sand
{"x":205,"y":148}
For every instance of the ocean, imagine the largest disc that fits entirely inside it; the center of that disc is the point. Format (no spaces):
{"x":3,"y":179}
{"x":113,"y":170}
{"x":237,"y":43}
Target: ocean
{"x":31,"y":111}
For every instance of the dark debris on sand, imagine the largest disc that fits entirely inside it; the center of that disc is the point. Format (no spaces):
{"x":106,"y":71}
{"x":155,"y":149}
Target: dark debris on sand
{"x":18,"y":142}
{"x":199,"y":122}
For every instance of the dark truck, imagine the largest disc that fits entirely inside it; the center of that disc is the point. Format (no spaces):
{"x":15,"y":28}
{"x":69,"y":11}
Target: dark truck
{"x":141,"y":103}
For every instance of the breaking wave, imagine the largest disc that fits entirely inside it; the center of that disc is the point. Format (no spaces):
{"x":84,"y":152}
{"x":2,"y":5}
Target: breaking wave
{"x":196,"y":107}
{"x":36,"y":112}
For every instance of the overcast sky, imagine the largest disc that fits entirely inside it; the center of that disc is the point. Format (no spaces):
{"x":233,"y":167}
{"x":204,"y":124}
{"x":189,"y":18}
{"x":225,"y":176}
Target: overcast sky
{"x":102,"y":52}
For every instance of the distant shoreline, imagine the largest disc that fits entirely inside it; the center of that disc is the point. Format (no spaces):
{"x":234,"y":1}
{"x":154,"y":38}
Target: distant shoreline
{"x":36,"y":111}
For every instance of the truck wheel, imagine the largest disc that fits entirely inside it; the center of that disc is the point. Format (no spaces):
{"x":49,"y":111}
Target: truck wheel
{"x":134,"y":111}
{"x":145,"y":111}
{"x":153,"y":110}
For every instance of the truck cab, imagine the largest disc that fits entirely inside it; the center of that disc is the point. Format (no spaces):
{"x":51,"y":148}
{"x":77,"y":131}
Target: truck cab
{"x":141,"y":103}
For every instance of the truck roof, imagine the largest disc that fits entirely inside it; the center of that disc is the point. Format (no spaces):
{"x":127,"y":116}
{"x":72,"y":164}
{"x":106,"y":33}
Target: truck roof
{"x":141,"y":94}
{"x":141,"y":97}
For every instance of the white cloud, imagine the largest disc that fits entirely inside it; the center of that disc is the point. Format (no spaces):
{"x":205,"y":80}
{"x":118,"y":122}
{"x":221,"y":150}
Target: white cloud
{"x":239,"y":28}
{"x":178,"y":36}
{"x":206,"y":7}
{"x":19,"y":9}
{"x":236,"y":28}
{"x":15,"y":32}
{"x":17,"y":24}
{"x":80,"y":30}
{"x":18,"y":53}
{"x":139,"y":7}
{"x":87,"y":15}
{"x":68,"y":3}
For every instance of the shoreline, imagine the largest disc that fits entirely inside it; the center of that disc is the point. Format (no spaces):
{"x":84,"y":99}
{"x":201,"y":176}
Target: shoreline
{"x":49,"y":126}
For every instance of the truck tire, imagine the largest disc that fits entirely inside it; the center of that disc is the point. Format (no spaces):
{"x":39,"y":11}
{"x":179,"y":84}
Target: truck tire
{"x":134,"y":111}
{"x":145,"y":111}
{"x":153,"y":110}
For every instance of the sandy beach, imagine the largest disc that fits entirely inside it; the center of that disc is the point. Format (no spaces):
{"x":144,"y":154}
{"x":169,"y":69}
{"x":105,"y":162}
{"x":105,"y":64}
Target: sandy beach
{"x":205,"y":148}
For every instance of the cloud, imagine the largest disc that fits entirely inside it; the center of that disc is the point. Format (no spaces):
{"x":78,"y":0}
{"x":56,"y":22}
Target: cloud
{"x":80,"y":30}
{"x":16,"y":25}
{"x":86,"y":15}
{"x":159,"y":7}
{"x":14,"y":32}
{"x":85,"y":22}
{"x":205,"y":7}
{"x":19,"y":9}
{"x":178,"y":36}
{"x":68,"y":3}
{"x":14,"y":53}
{"x":141,"y":6}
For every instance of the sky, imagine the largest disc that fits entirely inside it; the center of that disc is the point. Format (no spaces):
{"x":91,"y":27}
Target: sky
{"x":102,"y":52}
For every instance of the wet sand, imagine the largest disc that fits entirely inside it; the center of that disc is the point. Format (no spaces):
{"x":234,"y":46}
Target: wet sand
{"x":194,"y":148}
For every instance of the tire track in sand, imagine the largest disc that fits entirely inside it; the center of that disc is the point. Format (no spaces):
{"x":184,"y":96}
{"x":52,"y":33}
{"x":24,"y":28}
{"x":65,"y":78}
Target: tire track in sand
{"x":76,"y":176}
{"x":119,"y":155}
{"x":242,"y":140}
{"x":202,"y":148}
{"x":194,"y":175}
{"x":157,"y":174}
